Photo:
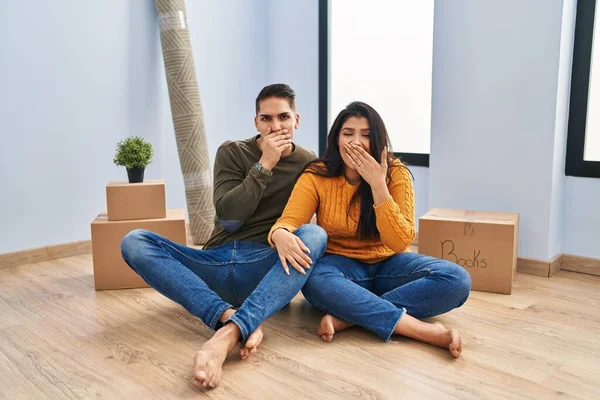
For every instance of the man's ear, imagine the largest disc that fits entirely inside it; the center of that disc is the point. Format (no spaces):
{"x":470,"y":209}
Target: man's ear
{"x":297,"y":125}
{"x":256,"y":124}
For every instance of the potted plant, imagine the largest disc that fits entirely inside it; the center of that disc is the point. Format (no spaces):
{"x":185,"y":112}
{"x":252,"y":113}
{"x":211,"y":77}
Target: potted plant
{"x":134,"y":153}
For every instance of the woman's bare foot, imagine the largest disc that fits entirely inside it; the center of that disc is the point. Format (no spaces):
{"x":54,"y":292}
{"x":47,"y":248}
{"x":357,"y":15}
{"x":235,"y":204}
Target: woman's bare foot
{"x":435,"y":334}
{"x":449,"y":339}
{"x":251,"y":345}
{"x":330,"y":325}
{"x":208,"y":362}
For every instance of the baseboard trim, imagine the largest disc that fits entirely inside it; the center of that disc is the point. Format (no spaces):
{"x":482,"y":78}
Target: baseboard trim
{"x":541,"y":268}
{"x":583,"y":265}
{"x":30,"y":256}
{"x":555,"y":265}
{"x":532,"y":266}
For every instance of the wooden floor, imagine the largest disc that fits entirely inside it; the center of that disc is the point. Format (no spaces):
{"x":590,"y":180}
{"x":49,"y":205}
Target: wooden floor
{"x":59,"y":339}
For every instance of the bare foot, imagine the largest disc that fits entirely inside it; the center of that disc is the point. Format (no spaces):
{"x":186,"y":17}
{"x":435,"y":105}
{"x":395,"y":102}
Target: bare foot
{"x":432,"y":333}
{"x":208,"y":362}
{"x":330,"y":325}
{"x":253,"y":340}
{"x":251,"y":345}
{"x":448,"y":338}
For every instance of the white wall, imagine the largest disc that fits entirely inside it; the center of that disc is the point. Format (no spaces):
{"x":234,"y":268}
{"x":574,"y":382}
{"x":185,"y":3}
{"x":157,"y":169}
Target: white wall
{"x":560,"y":127}
{"x":581,"y":217}
{"x":68,"y":92}
{"x":293,"y":58}
{"x":76,"y":77}
{"x":495,"y":77}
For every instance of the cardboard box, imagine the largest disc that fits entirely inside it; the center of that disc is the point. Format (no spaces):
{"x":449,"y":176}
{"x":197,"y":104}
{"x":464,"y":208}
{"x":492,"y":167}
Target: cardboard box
{"x":484,"y":243}
{"x":131,"y":201}
{"x":110,"y":270}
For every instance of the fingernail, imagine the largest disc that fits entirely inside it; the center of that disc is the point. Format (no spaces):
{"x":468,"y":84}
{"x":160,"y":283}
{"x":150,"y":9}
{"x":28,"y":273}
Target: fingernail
{"x":308,"y":251}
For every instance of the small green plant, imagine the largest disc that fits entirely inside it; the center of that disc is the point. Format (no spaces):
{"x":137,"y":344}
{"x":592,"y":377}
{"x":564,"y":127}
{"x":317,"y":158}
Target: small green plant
{"x":133,"y":152}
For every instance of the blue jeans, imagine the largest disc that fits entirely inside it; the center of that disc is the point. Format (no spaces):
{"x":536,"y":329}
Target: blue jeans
{"x":376,"y":296}
{"x":243,"y":275}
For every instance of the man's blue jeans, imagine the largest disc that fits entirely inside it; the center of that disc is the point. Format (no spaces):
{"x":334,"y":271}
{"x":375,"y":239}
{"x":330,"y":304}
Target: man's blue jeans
{"x":376,"y":296}
{"x":242,"y":275}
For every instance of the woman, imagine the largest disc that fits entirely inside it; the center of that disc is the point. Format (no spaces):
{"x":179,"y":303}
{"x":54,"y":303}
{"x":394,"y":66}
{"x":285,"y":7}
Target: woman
{"x":364,"y":200}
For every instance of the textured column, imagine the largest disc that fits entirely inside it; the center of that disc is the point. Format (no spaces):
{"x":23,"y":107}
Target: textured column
{"x":188,"y":119}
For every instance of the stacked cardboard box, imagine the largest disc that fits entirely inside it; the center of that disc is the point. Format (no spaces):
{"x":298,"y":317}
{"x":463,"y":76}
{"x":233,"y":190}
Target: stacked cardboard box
{"x":130,"y":206}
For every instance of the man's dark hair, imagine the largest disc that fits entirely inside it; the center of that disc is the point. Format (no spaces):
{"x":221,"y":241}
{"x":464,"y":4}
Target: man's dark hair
{"x":279,"y":90}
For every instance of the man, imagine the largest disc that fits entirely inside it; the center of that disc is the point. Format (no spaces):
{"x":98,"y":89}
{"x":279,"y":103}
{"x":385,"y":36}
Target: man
{"x":238,"y":281}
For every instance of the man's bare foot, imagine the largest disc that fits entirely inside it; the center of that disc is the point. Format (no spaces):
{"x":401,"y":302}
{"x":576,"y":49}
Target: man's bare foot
{"x":253,"y":340}
{"x":251,"y":345}
{"x":208,"y":362}
{"x":449,"y":339}
{"x":330,"y":325}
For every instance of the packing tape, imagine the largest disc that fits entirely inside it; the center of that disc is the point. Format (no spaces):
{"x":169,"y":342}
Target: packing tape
{"x":197,"y":180}
{"x":471,"y":217}
{"x":172,"y":20}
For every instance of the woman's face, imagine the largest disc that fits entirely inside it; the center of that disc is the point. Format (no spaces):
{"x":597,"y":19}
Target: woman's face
{"x":355,"y":131}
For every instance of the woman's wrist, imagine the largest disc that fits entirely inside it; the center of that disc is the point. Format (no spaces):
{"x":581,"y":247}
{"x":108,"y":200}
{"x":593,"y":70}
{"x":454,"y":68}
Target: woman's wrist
{"x":380,"y":193}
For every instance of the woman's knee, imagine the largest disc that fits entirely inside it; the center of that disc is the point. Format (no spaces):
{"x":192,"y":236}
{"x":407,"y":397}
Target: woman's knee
{"x":313,"y":236}
{"x":460,"y":278}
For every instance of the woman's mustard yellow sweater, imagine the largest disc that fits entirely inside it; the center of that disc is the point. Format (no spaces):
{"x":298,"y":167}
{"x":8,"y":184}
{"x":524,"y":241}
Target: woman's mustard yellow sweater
{"x":330,"y":199}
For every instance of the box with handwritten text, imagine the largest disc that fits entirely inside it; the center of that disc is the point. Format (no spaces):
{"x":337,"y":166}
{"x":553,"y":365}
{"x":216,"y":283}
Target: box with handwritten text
{"x":484,"y":243}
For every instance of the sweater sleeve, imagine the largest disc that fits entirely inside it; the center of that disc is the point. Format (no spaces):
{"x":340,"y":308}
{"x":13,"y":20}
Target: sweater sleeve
{"x":396,"y":215}
{"x":232,"y":186}
{"x":301,"y":206}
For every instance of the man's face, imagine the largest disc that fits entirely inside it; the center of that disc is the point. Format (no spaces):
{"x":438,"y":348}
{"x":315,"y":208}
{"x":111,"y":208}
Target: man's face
{"x":275,"y":113}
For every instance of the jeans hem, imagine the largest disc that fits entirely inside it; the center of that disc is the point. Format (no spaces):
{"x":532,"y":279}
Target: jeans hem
{"x":389,"y":337}
{"x":217,"y":316}
{"x":240,"y":325}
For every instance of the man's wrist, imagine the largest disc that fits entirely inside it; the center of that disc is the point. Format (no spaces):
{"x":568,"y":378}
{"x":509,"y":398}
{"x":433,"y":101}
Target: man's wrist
{"x":262,"y":168}
{"x":267,"y":164}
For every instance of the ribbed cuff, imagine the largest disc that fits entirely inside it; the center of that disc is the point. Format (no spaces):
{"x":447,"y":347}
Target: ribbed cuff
{"x":387,"y":205}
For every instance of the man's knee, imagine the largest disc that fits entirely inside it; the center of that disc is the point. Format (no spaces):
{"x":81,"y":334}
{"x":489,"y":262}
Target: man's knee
{"x":131,"y":243}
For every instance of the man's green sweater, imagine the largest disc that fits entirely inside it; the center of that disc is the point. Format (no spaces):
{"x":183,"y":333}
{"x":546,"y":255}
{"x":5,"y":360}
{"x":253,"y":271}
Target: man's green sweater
{"x":247,"y":201}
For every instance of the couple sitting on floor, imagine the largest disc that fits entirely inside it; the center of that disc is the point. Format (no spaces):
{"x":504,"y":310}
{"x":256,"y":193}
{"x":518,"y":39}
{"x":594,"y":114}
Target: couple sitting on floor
{"x":354,"y":264}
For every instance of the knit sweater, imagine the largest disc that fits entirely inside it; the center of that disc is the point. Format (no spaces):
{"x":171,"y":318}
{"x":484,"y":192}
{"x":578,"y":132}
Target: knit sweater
{"x":247,"y":201}
{"x":330,"y":199}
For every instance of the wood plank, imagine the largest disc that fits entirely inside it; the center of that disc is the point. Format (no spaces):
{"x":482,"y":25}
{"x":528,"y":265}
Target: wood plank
{"x":60,"y":339}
